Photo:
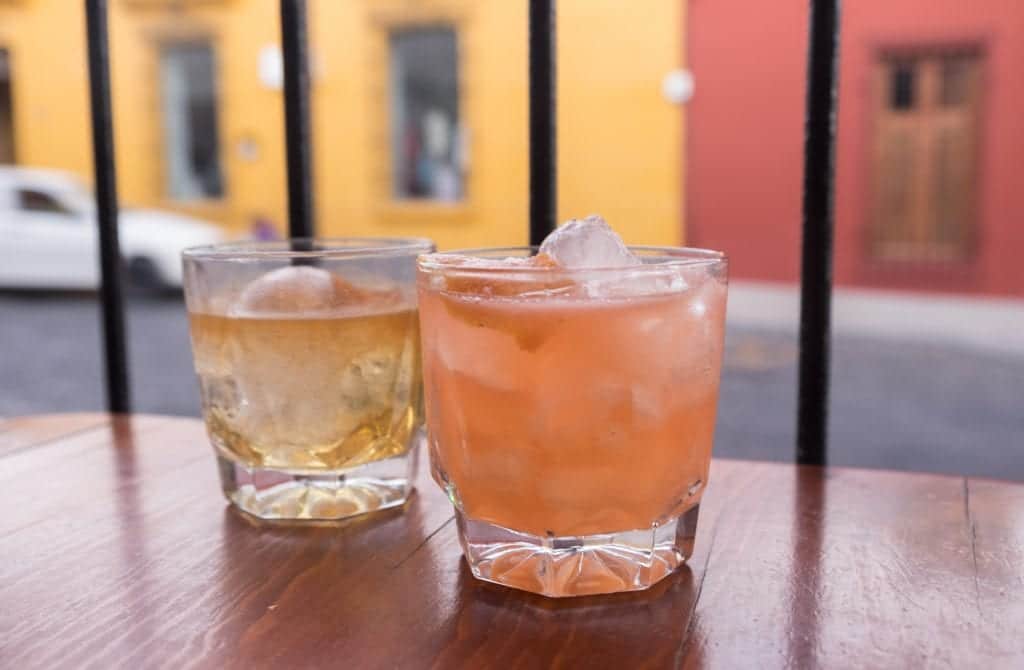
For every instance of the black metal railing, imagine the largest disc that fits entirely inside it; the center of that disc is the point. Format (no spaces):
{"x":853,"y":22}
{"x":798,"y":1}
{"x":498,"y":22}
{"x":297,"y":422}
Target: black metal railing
{"x":819,"y":147}
{"x":298,"y":139}
{"x":543,"y":121}
{"x":818,"y":226}
{"x":105,"y":173}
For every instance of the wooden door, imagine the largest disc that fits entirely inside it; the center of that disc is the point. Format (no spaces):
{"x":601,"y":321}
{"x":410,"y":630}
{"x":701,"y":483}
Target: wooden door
{"x":924,"y":156}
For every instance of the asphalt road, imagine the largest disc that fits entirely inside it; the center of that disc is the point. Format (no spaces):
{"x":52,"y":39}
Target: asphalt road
{"x":895,"y":404}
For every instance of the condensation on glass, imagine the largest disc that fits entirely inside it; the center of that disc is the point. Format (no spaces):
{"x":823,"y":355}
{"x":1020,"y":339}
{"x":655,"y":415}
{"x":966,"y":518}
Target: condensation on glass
{"x":189,"y":103}
{"x":570,"y":410}
{"x":308,"y":363}
{"x":428,"y":141}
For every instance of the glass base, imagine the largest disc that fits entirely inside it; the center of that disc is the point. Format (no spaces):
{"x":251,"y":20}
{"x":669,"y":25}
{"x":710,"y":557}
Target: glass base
{"x":270,"y":493}
{"x":577,"y":566}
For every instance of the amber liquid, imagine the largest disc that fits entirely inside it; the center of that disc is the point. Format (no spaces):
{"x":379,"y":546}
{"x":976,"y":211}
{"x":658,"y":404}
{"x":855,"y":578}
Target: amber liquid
{"x":572,"y":417}
{"x":309,"y":394}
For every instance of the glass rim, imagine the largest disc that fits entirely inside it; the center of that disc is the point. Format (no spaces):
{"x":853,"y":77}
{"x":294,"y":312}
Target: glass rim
{"x":310,"y":247}
{"x":671,"y":257}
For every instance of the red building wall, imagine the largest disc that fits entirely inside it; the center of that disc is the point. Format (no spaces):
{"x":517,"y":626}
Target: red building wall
{"x":744,"y":153}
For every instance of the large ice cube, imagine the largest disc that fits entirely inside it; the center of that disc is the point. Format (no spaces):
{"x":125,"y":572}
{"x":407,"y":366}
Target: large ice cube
{"x":590,"y":243}
{"x":587,"y":243}
{"x":303,"y":289}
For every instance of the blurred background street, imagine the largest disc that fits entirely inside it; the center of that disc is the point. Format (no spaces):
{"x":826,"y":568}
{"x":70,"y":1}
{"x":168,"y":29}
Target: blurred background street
{"x":936,"y":404}
{"x":665,"y":127}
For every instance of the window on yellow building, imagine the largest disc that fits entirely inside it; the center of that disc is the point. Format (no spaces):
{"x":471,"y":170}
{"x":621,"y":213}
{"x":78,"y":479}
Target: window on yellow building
{"x":6,"y":110}
{"x":191,"y":138}
{"x":428,"y":144}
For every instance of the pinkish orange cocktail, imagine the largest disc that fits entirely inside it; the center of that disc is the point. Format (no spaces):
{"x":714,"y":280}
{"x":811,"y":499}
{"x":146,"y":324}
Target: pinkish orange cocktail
{"x":571,"y":411}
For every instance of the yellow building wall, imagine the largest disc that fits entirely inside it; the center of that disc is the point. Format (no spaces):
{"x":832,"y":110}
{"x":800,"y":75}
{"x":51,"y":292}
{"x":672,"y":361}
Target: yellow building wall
{"x":49,"y":82}
{"x":620,"y":146}
{"x":620,"y":141}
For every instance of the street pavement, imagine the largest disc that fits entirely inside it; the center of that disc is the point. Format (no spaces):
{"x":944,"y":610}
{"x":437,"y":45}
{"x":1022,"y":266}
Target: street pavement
{"x":941,"y":404}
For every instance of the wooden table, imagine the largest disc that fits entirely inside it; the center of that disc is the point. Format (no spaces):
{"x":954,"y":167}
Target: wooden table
{"x":117,"y":550}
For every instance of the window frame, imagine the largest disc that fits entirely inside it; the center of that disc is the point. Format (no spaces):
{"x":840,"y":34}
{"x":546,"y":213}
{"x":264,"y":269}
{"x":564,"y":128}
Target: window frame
{"x":386,"y":18}
{"x":160,"y":47}
{"x":395,"y":137}
{"x":153,"y":30}
{"x":9,"y":58}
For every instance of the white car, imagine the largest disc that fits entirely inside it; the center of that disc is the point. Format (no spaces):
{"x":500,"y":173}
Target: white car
{"x":48,"y":235}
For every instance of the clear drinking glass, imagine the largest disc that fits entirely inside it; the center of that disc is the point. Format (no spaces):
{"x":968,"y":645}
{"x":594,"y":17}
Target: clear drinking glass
{"x":308,"y":358}
{"x":570,"y":413}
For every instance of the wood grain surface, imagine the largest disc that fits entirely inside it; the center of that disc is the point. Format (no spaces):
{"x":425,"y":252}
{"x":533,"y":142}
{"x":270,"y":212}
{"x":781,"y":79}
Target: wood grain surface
{"x":28,"y":431}
{"x":117,"y":550}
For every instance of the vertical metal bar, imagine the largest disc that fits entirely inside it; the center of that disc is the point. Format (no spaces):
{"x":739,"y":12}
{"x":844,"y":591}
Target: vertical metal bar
{"x":104,"y":169}
{"x":543,"y":146}
{"x":298,"y":147}
{"x":816,"y":256}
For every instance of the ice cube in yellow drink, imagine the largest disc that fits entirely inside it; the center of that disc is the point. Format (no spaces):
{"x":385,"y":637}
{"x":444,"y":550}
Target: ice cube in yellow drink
{"x":317,"y":392}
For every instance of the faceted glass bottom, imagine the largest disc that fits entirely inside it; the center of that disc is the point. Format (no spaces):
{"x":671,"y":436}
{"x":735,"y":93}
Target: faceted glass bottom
{"x":577,"y":566}
{"x":271,"y":493}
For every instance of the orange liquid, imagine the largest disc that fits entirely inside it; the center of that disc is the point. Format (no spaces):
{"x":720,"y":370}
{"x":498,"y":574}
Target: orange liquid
{"x":561,"y":416}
